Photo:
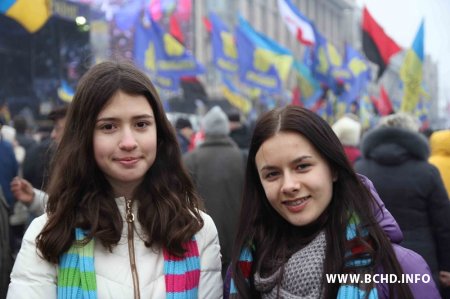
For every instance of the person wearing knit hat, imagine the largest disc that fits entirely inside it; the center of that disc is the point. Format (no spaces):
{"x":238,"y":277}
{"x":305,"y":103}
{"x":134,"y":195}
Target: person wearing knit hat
{"x":215,"y":122}
{"x":348,"y":130}
{"x":217,"y":168}
{"x":395,"y":158}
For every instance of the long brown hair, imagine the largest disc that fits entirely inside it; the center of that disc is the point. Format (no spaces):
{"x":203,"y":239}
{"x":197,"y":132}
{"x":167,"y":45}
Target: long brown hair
{"x":270,"y":235}
{"x":80,"y":195}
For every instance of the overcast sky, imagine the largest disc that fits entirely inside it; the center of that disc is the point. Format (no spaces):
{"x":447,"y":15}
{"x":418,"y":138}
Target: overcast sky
{"x":401,"y":19}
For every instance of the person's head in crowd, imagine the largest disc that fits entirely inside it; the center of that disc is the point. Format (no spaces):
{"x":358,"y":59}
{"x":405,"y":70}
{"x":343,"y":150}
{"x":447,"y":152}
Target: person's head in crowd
{"x":20,"y":124}
{"x":4,"y":111}
{"x":234,"y":118}
{"x":215,"y":122}
{"x":184,"y":127}
{"x":348,"y":130}
{"x":58,"y":116}
{"x":400,"y":120}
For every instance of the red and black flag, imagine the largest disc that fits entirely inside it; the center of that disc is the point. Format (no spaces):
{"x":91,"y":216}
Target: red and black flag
{"x":377,"y":45}
{"x":383,"y":104}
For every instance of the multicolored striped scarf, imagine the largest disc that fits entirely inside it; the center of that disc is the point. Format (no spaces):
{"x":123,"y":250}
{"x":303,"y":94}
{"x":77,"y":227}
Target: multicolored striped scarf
{"x":358,"y":261}
{"x":76,"y":273}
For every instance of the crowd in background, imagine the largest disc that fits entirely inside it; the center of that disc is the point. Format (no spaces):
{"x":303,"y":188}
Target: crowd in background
{"x":410,"y":171}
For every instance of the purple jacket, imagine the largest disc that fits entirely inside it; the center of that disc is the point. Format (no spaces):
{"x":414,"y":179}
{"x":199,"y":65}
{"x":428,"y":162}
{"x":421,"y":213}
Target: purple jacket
{"x":411,"y":262}
{"x":382,"y":215}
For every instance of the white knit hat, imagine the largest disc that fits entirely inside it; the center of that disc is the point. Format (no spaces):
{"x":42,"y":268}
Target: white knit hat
{"x":348,"y":131}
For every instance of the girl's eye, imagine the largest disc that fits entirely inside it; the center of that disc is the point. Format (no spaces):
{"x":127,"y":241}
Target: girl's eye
{"x":142,"y":124}
{"x":303,"y":166}
{"x":270,"y":175}
{"x":107,"y":127}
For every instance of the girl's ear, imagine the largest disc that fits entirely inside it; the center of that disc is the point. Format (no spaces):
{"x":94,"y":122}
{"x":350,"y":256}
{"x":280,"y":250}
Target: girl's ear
{"x":335,"y":176}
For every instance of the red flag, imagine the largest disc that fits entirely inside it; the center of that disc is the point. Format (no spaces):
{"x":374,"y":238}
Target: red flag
{"x":383,"y":104}
{"x":207,"y":24}
{"x":175,"y":30}
{"x":296,"y":97}
{"x":377,"y":45}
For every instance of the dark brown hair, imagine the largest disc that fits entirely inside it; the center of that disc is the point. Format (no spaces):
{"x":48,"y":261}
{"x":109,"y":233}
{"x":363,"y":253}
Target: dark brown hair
{"x":80,"y":195}
{"x":270,"y":235}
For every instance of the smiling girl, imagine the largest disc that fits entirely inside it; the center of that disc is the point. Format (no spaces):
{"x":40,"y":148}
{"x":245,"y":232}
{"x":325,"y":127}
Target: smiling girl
{"x":123,"y":219}
{"x":306,"y":214}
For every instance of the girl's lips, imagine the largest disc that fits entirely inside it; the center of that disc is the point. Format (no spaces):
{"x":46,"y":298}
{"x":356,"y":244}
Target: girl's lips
{"x":128,"y":160}
{"x":297,"y":205}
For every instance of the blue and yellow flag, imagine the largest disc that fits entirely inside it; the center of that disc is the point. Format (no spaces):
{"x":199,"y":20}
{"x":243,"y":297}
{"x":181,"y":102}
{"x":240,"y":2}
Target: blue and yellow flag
{"x":65,"y":92}
{"x":327,"y":64}
{"x":367,"y":115}
{"x":31,"y":14}
{"x":359,"y":70}
{"x":422,"y":111}
{"x":159,"y":53}
{"x":310,"y":90}
{"x":262,"y":62}
{"x":223,"y":46}
{"x":234,"y":97}
{"x":411,"y":73}
{"x":167,"y":83}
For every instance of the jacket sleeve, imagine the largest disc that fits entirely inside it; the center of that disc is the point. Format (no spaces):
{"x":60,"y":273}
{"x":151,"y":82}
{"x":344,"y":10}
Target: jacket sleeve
{"x":32,"y":276}
{"x":414,"y":267}
{"x":39,"y":202}
{"x":382,"y":215}
{"x":439,"y":213}
{"x":211,"y":285}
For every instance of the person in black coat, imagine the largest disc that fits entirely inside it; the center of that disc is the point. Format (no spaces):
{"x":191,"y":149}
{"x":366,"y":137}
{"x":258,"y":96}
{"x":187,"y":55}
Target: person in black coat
{"x":217,"y":169}
{"x":395,"y":159}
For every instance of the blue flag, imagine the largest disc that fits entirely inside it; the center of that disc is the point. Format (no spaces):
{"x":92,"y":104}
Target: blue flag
{"x":359,"y":70}
{"x":223,"y":46}
{"x":411,"y":72}
{"x":161,"y":54}
{"x":235,"y":97}
{"x":310,"y":89}
{"x":327,"y":65}
{"x":262,"y":62}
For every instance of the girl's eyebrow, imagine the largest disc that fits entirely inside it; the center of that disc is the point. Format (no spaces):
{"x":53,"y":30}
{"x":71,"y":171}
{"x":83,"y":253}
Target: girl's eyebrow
{"x":142,"y":116}
{"x":295,"y":161}
{"x":300,"y":159}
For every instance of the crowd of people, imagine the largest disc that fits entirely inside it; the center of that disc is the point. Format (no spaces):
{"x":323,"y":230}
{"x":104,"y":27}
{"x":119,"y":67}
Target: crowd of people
{"x":118,"y":202}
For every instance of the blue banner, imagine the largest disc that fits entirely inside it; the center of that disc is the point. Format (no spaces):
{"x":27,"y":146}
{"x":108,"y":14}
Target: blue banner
{"x":262,"y":62}
{"x":161,"y":54}
{"x":223,"y":46}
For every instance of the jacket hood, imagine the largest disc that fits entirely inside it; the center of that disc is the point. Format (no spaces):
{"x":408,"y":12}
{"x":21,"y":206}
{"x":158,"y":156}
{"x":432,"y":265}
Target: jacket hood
{"x":440,"y":143}
{"x":389,"y":145}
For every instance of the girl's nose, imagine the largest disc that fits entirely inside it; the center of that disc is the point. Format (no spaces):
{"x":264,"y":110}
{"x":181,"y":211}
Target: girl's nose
{"x":128,"y":142}
{"x":290,"y":184}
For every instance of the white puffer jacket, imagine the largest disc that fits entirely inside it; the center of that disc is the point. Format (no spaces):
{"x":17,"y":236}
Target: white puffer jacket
{"x":33,"y":277}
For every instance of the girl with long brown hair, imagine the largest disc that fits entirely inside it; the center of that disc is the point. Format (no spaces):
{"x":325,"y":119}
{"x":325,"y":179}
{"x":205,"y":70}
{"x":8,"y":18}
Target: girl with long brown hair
{"x":122,"y":219}
{"x":307,"y":217}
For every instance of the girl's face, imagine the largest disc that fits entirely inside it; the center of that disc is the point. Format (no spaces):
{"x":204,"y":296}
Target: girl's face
{"x":125,"y":141}
{"x":297,"y":181}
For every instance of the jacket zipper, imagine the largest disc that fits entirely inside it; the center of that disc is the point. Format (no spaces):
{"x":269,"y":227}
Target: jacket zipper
{"x":130,"y":222}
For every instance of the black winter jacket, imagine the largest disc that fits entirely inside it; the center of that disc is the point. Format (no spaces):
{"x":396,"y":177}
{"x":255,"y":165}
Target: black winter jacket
{"x":395,"y":160}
